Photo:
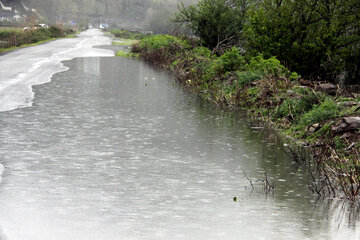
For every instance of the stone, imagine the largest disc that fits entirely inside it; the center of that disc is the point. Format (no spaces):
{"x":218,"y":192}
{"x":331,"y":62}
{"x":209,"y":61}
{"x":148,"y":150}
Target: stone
{"x":328,"y":88}
{"x":313,"y":128}
{"x":347,"y":124}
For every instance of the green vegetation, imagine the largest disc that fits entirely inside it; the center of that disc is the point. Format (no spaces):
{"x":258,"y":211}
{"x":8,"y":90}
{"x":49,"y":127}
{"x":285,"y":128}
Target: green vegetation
{"x":124,"y":42}
{"x":268,"y":91}
{"x":318,"y":39}
{"x":12,"y":38}
{"x":216,"y":22}
{"x":126,"y":34}
{"x":122,"y":53}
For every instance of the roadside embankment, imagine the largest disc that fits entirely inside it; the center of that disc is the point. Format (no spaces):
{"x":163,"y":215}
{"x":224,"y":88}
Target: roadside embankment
{"x":319,"y":116}
{"x":126,"y":38}
{"x":12,"y":38}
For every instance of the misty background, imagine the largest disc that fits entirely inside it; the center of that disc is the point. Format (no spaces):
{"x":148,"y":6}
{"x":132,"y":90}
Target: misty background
{"x":144,"y":14}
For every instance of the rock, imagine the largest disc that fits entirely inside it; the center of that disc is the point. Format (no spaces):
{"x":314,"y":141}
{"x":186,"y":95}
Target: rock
{"x":306,"y":83}
{"x":348,"y":104}
{"x":328,"y":88}
{"x":353,"y":122}
{"x":313,"y":128}
{"x":347,"y":124}
{"x":346,"y":135}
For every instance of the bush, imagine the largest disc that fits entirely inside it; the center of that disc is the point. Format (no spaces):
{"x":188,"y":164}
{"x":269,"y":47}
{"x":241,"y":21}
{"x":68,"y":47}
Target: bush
{"x":313,"y":38}
{"x":203,"y":53}
{"x":16,"y":37}
{"x":216,"y":22}
{"x":232,"y":60}
{"x":246,"y":77}
{"x":270,"y":66}
{"x":134,"y":35}
{"x":155,"y":42}
{"x":258,"y":67}
{"x":55,"y":32}
{"x":160,"y":49}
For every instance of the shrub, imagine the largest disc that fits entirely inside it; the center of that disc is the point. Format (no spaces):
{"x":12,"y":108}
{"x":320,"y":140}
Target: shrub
{"x":55,"y":32}
{"x":314,"y":38}
{"x":203,"y":53}
{"x":270,"y":66}
{"x":216,"y":22}
{"x":160,"y":49}
{"x":134,"y":35}
{"x":155,"y":42}
{"x":258,"y":67}
{"x":232,"y":60}
{"x":246,"y":77}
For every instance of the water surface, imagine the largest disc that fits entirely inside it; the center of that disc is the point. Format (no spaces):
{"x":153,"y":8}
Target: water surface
{"x":113,"y":149}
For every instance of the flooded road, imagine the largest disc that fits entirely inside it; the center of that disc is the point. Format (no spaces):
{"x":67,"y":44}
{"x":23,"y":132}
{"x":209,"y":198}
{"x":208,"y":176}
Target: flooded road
{"x":113,"y":149}
{"x":30,"y":66}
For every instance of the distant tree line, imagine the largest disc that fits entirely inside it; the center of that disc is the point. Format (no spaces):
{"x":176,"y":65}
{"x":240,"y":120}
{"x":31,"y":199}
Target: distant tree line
{"x":318,"y":39}
{"x":149,"y":13}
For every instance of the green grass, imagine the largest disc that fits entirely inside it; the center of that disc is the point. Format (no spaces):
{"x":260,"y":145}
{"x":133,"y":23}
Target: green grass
{"x":122,"y":53}
{"x":124,"y":42}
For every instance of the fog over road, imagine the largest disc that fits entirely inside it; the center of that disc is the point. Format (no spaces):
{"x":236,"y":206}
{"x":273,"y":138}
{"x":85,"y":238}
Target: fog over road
{"x":23,"y":68}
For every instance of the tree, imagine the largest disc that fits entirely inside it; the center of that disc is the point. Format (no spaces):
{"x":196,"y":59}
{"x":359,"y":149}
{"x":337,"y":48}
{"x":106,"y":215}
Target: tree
{"x":216,"y":22}
{"x":315,"y":38}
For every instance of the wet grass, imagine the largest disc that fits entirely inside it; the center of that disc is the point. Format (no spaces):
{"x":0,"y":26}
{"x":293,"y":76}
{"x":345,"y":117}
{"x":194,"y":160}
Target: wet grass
{"x":14,"y":38}
{"x":122,"y":53}
{"x":124,"y":42}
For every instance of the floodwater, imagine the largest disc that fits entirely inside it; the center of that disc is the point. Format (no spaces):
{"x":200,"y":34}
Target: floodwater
{"x":113,"y":149}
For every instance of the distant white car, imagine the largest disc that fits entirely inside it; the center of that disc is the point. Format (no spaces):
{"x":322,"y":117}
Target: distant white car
{"x":37,"y":26}
{"x":42,"y":25}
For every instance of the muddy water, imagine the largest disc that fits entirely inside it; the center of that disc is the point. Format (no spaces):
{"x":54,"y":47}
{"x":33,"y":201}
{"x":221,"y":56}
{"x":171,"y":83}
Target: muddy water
{"x":113,"y":149}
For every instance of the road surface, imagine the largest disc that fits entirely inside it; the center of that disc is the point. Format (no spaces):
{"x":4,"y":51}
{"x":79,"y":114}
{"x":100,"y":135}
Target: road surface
{"x":23,"y":68}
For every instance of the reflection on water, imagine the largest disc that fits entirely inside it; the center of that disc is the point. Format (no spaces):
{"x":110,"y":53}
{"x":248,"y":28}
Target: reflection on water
{"x":91,"y":66}
{"x":2,"y":235}
{"x":112,"y":149}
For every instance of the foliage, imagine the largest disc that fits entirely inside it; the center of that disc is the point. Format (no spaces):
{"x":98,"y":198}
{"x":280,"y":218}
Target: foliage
{"x":314,"y":38}
{"x":55,"y":32}
{"x":232,"y":60}
{"x":155,"y":42}
{"x":122,"y":53}
{"x":246,"y":77}
{"x":160,"y":49}
{"x":326,"y":110}
{"x":133,"y":35}
{"x":296,"y":107}
{"x":216,"y":22}
{"x":270,"y":66}
{"x":14,"y":37}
